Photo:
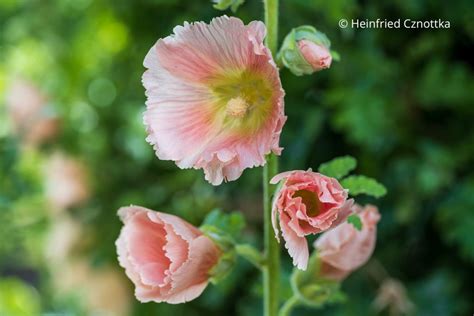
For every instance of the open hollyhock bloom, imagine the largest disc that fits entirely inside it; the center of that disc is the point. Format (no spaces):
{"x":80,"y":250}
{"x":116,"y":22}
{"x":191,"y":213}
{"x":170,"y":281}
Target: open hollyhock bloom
{"x":166,"y":258}
{"x":306,"y":203}
{"x":344,"y":248}
{"x":215,"y":100}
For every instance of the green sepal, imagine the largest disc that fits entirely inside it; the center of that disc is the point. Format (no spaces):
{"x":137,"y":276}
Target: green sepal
{"x":313,"y":290}
{"x":223,"y":267}
{"x":223,"y":229}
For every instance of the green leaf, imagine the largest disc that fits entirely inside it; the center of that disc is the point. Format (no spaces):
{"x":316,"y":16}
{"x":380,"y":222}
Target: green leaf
{"x":251,"y":254}
{"x":455,"y":220}
{"x":354,"y":219}
{"x":338,"y":167}
{"x":229,"y":223}
{"x":226,"y":4}
{"x":363,"y":185}
{"x":335,"y":55}
{"x":18,"y":298}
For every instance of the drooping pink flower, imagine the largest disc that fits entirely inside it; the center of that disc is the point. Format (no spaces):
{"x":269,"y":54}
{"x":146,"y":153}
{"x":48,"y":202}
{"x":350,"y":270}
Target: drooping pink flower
{"x":306,"y":203}
{"x":344,"y":248}
{"x":166,"y":258}
{"x":215,"y":100}
{"x":318,"y":56}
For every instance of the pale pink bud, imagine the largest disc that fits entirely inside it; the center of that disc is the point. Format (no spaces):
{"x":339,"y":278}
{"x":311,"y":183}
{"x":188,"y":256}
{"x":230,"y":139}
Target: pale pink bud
{"x":344,"y":248}
{"x":318,"y":56}
{"x":166,"y":258}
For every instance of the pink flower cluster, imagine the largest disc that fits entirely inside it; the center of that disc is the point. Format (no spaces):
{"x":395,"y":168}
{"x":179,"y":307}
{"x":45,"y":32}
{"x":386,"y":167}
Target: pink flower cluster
{"x":215,"y":102}
{"x":309,"y":203}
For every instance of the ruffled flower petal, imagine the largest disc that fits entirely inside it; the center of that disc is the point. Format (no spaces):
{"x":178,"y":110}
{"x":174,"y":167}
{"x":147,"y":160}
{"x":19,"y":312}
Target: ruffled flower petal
{"x":215,"y":100}
{"x":306,"y":203}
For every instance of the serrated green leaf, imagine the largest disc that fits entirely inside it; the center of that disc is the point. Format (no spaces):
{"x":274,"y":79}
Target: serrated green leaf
{"x":338,"y":167}
{"x":363,"y":185}
{"x":354,"y":219}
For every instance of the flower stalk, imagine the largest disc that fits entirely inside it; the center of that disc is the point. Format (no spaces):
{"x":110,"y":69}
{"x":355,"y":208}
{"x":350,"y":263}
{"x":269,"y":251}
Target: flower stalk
{"x":289,"y":305}
{"x":271,"y":270}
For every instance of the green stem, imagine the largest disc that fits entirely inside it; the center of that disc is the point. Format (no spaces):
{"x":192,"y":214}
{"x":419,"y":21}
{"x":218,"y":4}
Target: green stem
{"x":288,"y":306}
{"x":271,"y":21}
{"x":271,"y":270}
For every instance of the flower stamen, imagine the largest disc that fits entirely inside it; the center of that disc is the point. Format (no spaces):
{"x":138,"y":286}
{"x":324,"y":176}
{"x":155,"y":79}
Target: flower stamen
{"x":237,"y":107}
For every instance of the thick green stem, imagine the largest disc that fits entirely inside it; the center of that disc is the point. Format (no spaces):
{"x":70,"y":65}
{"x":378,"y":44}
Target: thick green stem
{"x":271,"y":269}
{"x":288,"y":306}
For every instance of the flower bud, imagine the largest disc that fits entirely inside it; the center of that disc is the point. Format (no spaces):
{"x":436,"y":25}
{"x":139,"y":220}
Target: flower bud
{"x":305,"y":50}
{"x":344,"y":248}
{"x":317,"y":56}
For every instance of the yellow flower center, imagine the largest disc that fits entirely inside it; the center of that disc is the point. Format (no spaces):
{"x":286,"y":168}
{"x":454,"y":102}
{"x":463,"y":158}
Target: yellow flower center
{"x":243,"y":99}
{"x":237,"y":107}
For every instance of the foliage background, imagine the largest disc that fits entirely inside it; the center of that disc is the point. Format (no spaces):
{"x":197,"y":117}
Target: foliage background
{"x":400,"y":101}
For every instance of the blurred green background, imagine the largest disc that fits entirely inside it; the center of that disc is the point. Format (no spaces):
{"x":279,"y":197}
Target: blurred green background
{"x":73,"y":150}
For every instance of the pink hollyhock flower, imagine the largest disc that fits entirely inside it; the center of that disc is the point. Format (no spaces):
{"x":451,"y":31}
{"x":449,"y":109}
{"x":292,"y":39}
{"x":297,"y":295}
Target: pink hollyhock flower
{"x":166,"y":258}
{"x":344,"y":248}
{"x":215,"y":100}
{"x":318,"y":56}
{"x":307,"y":203}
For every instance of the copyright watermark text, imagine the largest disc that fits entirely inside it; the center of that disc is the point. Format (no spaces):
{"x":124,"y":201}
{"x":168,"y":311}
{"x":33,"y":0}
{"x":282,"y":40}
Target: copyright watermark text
{"x":394,"y":24}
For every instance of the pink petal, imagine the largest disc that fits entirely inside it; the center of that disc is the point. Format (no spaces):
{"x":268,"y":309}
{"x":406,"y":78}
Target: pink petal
{"x":191,"y":278}
{"x":346,"y":248}
{"x":297,"y":246}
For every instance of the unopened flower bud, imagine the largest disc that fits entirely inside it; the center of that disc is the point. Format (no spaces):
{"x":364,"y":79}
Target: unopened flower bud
{"x":318,"y":56}
{"x":305,"y":50}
